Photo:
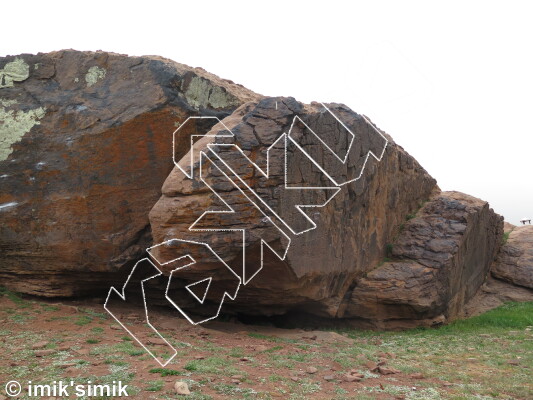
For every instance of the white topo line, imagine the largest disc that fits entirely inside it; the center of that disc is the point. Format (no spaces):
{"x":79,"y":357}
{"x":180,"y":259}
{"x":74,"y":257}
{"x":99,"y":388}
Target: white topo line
{"x":203,"y":157}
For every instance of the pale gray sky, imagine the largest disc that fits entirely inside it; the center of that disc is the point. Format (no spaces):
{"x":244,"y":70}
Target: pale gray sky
{"x":452,"y":81}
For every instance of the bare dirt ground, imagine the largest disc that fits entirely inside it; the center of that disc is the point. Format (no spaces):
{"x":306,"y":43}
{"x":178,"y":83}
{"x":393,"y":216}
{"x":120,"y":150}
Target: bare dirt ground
{"x":46,"y":341}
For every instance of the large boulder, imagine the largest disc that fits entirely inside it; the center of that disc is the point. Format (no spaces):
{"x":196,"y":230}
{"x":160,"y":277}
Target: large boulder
{"x":85,"y":145}
{"x":515,"y":261}
{"x":307,"y":159}
{"x":281,"y":206}
{"x":437,"y":264}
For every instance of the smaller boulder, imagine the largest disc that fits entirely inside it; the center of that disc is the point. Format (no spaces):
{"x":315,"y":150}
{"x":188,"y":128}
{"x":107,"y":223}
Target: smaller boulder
{"x":181,"y":388}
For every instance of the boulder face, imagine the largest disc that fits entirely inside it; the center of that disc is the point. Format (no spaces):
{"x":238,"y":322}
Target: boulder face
{"x":438,"y":262}
{"x":281,"y":207}
{"x":85,"y":145}
{"x":515,"y":261}
{"x":309,"y":160}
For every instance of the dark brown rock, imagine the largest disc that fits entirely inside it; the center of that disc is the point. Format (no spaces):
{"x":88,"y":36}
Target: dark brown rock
{"x":85,"y":145}
{"x":353,"y":229}
{"x":441,"y":259}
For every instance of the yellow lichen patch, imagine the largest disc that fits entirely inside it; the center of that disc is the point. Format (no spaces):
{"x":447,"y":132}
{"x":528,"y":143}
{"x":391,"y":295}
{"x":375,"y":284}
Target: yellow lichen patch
{"x":202,"y":93}
{"x":94,"y":75}
{"x":14,"y":124}
{"x":14,"y":71}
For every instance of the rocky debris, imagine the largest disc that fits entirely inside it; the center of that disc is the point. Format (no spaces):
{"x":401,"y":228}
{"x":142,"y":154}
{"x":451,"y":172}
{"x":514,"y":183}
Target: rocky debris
{"x":39,"y":345}
{"x":319,"y":336}
{"x":85,"y":145}
{"x":372,"y":366}
{"x":440,"y":259}
{"x":353,"y":376}
{"x":322,"y":264}
{"x":43,"y":353}
{"x":181,"y":388}
{"x":329,"y":378}
{"x":156,"y":341}
{"x":311,"y":370}
{"x":515,"y":261}
{"x":67,"y":365}
{"x":388,"y":370}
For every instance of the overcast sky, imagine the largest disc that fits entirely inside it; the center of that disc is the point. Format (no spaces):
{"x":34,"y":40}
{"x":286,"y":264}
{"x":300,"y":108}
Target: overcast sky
{"x":452,"y":82}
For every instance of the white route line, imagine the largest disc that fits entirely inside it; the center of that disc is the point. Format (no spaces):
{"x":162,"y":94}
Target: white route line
{"x":368,"y":154}
{"x":245,"y":280}
{"x":123,"y":297}
{"x":176,"y":162}
{"x":226,"y":294}
{"x":188,"y":287}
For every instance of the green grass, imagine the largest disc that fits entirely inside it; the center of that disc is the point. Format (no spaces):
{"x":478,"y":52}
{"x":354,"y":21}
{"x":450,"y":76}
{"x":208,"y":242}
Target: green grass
{"x":47,"y":307}
{"x":155,"y":386}
{"x":14,"y":297}
{"x":236,"y":352}
{"x":166,"y":372}
{"x":473,"y":353}
{"x":264,"y":337}
{"x":509,"y":315}
{"x":83,"y":320}
{"x":211,"y":365}
{"x":94,"y":314}
{"x":388,"y":250}
{"x":505,"y":237}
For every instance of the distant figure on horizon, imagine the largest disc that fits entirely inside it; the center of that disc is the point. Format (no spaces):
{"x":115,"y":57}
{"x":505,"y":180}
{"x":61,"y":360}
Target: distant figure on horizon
{"x":523,"y":221}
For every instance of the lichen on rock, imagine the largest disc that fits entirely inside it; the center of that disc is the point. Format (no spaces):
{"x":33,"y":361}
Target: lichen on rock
{"x":202,"y":94}
{"x":14,"y":71}
{"x":14,"y":124}
{"x":94,"y":75}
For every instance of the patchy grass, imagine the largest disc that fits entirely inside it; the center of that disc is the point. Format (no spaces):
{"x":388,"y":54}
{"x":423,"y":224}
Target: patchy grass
{"x":487,"y":357}
{"x":14,"y":297}
{"x":167,"y":372}
{"x":155,"y":386}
